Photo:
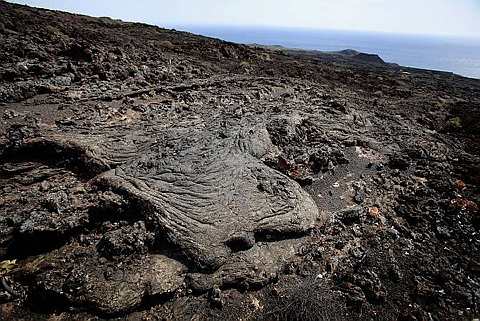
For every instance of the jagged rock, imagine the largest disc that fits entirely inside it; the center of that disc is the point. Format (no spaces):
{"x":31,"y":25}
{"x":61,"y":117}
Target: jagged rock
{"x":110,"y":288}
{"x":124,"y":241}
{"x":248,"y":269}
{"x":350,"y":215}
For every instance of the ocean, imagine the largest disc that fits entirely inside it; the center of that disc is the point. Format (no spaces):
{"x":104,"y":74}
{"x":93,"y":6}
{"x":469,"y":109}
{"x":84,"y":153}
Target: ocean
{"x":457,"y":55}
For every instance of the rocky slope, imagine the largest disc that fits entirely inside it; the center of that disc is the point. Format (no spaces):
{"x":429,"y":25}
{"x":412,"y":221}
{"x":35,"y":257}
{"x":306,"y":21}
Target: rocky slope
{"x":150,"y":174}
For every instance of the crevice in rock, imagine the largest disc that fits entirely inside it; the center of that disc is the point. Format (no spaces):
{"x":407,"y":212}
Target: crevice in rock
{"x":50,"y":302}
{"x":47,"y":302}
{"x":276,"y":236}
{"x":57,"y":154}
{"x":241,"y":242}
{"x":23,"y":246}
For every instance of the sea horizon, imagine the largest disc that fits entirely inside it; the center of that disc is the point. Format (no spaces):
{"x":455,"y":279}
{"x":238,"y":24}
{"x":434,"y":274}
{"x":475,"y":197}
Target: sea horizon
{"x":456,"y":54}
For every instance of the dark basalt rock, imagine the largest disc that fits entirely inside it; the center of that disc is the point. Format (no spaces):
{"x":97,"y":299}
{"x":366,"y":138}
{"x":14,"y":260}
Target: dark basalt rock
{"x":154,"y":174}
{"x":206,"y":195}
{"x":199,"y":197}
{"x":83,"y":279}
{"x":124,"y":241}
{"x":370,"y":58}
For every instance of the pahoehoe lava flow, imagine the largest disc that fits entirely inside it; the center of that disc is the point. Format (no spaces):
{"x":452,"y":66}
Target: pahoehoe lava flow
{"x":152,"y":174}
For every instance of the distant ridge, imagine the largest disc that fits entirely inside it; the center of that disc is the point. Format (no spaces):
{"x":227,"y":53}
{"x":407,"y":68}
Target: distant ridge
{"x":347,"y":53}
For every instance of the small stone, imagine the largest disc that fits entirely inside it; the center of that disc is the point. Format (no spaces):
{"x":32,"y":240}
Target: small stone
{"x":443,"y":232}
{"x":394,"y":273}
{"x":57,"y":202}
{"x":460,"y":185}
{"x":124,"y":241}
{"x":399,"y":162}
{"x":374,"y":212}
{"x":44,"y":186}
{"x":9,"y":114}
{"x":359,"y":197}
{"x":216,"y":297}
{"x":305,"y":181}
{"x":350,"y":215}
{"x":79,"y":190}
{"x":375,"y":166}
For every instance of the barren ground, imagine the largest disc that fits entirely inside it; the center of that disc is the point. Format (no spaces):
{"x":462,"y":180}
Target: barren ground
{"x":150,"y":174}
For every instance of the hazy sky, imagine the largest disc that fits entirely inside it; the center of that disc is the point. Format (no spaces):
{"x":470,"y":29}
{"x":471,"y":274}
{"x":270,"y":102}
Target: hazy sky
{"x":454,"y":17}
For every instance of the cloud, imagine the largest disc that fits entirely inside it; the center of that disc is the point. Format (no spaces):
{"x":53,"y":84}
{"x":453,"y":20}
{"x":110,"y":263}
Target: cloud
{"x":458,"y":17}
